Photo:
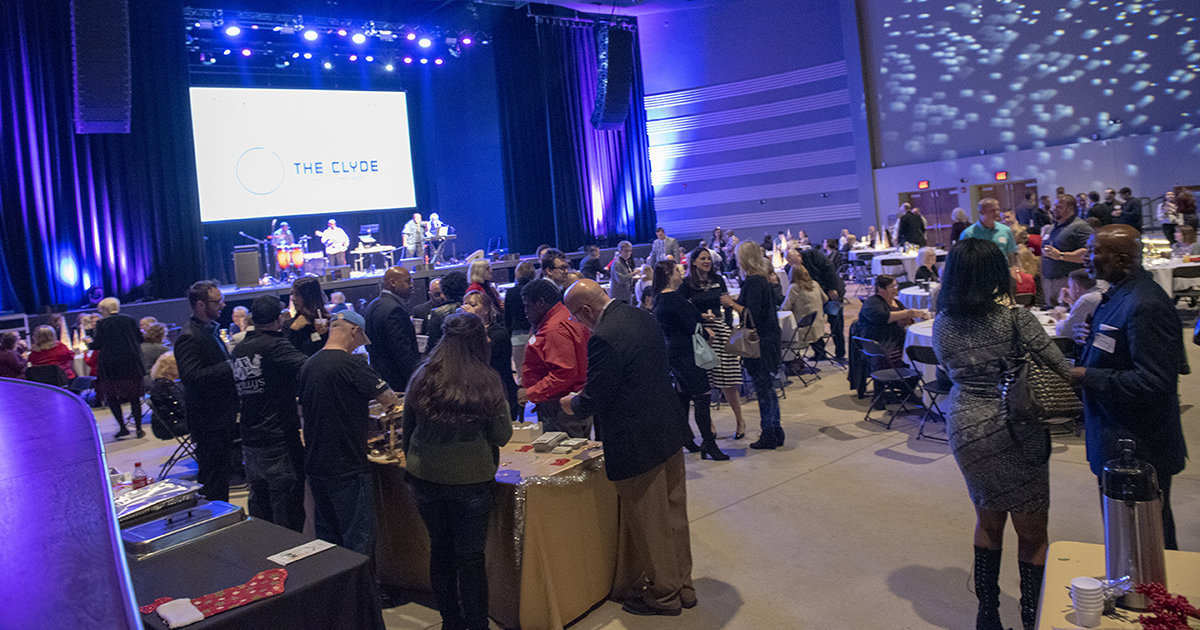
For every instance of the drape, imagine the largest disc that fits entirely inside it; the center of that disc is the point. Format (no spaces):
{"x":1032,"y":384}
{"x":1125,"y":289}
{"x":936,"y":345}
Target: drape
{"x":566,"y":183}
{"x":118,"y":211}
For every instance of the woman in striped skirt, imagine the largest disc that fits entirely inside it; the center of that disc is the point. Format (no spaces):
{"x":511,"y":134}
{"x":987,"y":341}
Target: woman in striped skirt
{"x":704,"y":288}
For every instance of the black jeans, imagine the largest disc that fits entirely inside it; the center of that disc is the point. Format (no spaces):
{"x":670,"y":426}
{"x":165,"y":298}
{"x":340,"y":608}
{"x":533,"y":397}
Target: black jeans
{"x":344,"y":511}
{"x":214,"y":462}
{"x":457,"y":519}
{"x":276,"y":476}
{"x":703,"y":413}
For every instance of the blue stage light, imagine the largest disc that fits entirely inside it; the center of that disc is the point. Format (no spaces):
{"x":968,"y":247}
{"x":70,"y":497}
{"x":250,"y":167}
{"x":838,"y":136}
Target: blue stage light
{"x":308,"y":55}
{"x":245,"y":52}
{"x":359,"y":38}
{"x":389,"y":67}
{"x":467,"y":41}
{"x":425,"y":42}
{"x":438,"y":61}
{"x":310,"y":35}
{"x":369,"y":58}
{"x":328,"y":66}
{"x":233,"y":30}
{"x":408,"y":60}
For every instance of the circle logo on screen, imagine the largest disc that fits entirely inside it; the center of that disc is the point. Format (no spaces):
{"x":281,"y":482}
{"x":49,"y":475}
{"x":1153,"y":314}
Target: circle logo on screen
{"x":260,"y":171}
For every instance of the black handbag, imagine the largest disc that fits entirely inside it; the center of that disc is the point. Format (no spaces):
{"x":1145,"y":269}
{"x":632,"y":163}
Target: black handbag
{"x":1032,"y":392}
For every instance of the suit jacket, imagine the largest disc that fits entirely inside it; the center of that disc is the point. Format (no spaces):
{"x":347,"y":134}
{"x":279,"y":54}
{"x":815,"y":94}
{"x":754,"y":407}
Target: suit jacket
{"x":629,"y":393}
{"x":393,"y":347}
{"x":621,"y":287}
{"x":1102,"y":211}
{"x":912,"y":230}
{"x":592,"y":268}
{"x":210,"y":399}
{"x":823,"y":270}
{"x":1132,"y":391}
{"x":660,"y":249}
{"x":1131,"y":214}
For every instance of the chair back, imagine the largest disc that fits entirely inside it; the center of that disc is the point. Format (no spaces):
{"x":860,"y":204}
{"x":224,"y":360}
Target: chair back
{"x":865,"y":257}
{"x":871,"y":348}
{"x":891,"y":262}
{"x":1190,"y":271}
{"x":807,"y":321}
{"x":1025,"y":299}
{"x":921,"y":354}
{"x":47,"y":374}
{"x":906,"y":284}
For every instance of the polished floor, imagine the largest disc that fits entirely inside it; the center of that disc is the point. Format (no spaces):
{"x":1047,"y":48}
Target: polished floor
{"x":848,"y":525}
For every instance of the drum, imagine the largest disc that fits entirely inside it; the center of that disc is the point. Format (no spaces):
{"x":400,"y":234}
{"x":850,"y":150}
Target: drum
{"x":286,"y":255}
{"x":297,"y":257}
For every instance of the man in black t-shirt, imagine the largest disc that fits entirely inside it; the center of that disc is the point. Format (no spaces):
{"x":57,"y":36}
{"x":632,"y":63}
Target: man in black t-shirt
{"x":265,"y":369}
{"x":336,"y":388}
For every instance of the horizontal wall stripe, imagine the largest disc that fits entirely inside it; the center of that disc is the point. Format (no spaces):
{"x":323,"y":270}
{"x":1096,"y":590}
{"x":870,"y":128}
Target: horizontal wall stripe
{"x":755,"y":167}
{"x":756,"y":193}
{"x":748,"y":86}
{"x":757,"y":219}
{"x":746,"y":114}
{"x":750,"y":140}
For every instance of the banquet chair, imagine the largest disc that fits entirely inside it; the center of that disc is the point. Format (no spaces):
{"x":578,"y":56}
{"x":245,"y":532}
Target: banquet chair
{"x":167,"y":422}
{"x":1025,"y":299}
{"x":906,"y":284}
{"x":894,"y":376}
{"x":893,"y":267}
{"x":794,"y":349}
{"x":1190,"y":291}
{"x":860,"y":273}
{"x":923,"y":355}
{"x":47,"y":375}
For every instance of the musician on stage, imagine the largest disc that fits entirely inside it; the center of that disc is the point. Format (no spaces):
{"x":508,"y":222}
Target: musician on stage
{"x":413,"y":238}
{"x":336,"y":242}
{"x":283,"y":236}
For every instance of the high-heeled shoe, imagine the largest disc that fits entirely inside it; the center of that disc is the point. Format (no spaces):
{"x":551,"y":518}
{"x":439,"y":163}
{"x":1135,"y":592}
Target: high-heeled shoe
{"x":692,"y":447}
{"x":709,"y":450}
{"x":737,"y":435}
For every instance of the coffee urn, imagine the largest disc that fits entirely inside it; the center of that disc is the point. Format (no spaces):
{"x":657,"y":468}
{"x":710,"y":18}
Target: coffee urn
{"x":1133,"y":529}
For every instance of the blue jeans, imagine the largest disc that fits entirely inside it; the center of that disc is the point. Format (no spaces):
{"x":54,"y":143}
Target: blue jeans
{"x":344,"y":511}
{"x":276,"y":476}
{"x":764,"y":390}
{"x":457,"y":519}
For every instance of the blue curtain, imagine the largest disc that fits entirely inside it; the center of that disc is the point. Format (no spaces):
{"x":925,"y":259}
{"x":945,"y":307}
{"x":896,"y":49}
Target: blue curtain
{"x":566,"y":183}
{"x":119,"y":211}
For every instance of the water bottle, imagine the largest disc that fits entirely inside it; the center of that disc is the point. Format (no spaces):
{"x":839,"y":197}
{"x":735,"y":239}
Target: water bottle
{"x":1133,"y":528}
{"x":140,"y":479}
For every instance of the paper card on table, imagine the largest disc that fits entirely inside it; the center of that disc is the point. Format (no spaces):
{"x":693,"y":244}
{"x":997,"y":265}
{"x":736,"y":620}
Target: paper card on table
{"x":303,"y":551}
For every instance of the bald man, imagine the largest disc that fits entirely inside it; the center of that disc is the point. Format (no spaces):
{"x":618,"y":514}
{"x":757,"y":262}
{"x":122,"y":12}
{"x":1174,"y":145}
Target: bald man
{"x":1132,"y":357}
{"x":638,"y":418}
{"x":393,"y":348}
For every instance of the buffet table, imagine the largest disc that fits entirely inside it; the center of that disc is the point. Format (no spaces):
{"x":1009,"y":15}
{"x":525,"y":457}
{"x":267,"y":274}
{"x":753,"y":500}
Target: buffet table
{"x":1066,"y":560}
{"x":552,"y":542}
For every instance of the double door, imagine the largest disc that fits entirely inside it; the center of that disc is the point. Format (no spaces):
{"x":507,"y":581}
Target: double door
{"x":936,"y":206}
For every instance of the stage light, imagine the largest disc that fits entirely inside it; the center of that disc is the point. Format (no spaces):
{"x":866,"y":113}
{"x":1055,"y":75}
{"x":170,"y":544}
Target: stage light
{"x":359,"y":38}
{"x":342,"y":32}
{"x":226,"y":52}
{"x":438,"y":61}
{"x":295,"y":55}
{"x":245,"y":52}
{"x":308,"y":55}
{"x":353,"y":57}
{"x":410,"y":36}
{"x":233,"y":30}
{"x":310,"y":35}
{"x":425,"y":42}
{"x":467,"y":41}
{"x":408,"y":60}
{"x":389,"y":67}
{"x":328,"y":66}
{"x":423,"y":60}
{"x":369,"y":58}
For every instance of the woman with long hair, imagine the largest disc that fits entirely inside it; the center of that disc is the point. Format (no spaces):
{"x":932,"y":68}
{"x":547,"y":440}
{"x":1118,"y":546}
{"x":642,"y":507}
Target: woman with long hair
{"x":456,"y":418}
{"x":805,"y":297}
{"x":757,"y":302}
{"x":308,"y":330}
{"x":703,"y":287}
{"x":678,"y":319}
{"x":481,"y":281}
{"x":48,"y":350}
{"x":500,"y":344}
{"x":1006,"y":465}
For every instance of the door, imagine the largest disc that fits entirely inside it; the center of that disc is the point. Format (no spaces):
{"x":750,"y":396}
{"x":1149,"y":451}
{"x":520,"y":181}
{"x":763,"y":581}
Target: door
{"x":936,"y":206}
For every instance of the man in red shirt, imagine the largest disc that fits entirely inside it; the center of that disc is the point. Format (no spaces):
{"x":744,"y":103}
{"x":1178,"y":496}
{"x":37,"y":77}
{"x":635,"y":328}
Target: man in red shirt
{"x":555,"y":359}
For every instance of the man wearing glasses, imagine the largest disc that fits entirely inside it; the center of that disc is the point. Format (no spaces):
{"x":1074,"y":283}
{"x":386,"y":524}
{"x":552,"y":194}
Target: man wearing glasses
{"x":210,"y":398}
{"x":555,"y":267}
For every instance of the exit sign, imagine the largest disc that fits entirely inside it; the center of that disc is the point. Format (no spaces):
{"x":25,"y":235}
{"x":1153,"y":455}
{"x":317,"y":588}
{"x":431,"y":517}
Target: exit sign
{"x":923,"y":184}
{"x":1001,"y":176}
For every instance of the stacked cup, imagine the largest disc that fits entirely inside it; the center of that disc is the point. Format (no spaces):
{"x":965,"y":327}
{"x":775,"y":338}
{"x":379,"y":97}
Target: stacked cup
{"x":1088,"y":598}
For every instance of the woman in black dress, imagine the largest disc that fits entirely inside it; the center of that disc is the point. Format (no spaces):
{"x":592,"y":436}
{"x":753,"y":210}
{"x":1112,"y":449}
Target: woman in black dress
{"x":479,"y":304}
{"x":304,"y":330}
{"x":703,"y":287}
{"x":757,"y":301}
{"x":679,"y":321}
{"x":885,"y":320}
{"x":120,"y":371}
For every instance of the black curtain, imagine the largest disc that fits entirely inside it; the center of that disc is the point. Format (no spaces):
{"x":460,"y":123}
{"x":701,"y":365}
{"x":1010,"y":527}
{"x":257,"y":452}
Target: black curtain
{"x":566,"y":183}
{"x":119,"y":211}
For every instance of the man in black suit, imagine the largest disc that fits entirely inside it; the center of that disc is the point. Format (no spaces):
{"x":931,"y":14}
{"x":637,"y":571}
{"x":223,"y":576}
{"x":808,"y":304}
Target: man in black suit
{"x":393,"y":347}
{"x":912,"y":229}
{"x":1103,"y":210}
{"x":1130,"y":210}
{"x":1132,"y":357}
{"x":638,"y":417}
{"x":436,"y":299}
{"x":591,"y":266}
{"x":210,"y":399}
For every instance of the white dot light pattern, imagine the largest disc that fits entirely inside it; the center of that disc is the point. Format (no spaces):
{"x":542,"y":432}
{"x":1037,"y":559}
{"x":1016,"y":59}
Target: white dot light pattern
{"x":954,"y":78}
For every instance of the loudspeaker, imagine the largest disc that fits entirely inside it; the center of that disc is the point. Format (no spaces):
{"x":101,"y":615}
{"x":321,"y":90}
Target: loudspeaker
{"x":338,"y":272}
{"x":615,"y":50}
{"x":246,"y":265}
{"x":100,"y":51}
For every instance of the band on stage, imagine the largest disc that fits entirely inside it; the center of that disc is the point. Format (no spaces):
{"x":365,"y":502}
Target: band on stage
{"x":419,"y":239}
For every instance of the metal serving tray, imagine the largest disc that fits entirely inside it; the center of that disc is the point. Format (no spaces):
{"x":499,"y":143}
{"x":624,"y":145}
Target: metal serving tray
{"x":181,"y":527}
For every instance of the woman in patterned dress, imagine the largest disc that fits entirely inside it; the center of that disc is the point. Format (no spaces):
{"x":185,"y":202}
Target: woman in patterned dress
{"x":1006,"y":466}
{"x":704,"y":288}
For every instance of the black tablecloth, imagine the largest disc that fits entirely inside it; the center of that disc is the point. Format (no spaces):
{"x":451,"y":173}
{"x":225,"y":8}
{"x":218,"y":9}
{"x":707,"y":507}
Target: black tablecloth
{"x":332,"y":589}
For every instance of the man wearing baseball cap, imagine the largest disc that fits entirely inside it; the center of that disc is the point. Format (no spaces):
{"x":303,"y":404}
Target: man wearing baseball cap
{"x":336,"y":388}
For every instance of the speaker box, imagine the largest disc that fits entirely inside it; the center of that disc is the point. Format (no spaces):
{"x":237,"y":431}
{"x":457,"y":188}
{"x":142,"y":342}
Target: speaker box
{"x":615,"y":51}
{"x":337,"y":272}
{"x":100,"y":52}
{"x":246,"y":265}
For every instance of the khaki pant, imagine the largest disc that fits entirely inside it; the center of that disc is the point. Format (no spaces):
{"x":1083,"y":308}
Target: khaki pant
{"x":654,"y":548}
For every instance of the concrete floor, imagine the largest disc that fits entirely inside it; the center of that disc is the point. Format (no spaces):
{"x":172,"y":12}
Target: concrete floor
{"x":848,"y":526}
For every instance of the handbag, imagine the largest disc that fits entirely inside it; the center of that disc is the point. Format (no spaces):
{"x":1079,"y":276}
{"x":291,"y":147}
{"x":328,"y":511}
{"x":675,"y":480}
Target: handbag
{"x":743,"y":342}
{"x":706,"y":359}
{"x":1032,"y":392}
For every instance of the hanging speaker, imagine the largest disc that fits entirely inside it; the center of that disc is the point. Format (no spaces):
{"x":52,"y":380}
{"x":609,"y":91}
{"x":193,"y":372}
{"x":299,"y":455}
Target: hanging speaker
{"x":615,"y":51}
{"x":100,"y":52}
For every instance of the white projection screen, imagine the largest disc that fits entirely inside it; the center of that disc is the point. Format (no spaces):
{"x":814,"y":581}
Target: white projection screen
{"x":263,"y":153}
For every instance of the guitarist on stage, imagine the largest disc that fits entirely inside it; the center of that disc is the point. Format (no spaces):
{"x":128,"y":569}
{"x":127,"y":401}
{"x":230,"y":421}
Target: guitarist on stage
{"x":336,"y":242}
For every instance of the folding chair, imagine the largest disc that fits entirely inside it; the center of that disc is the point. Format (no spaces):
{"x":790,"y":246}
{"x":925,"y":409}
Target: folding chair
{"x":923,"y":355}
{"x":47,"y":375}
{"x":895,"y":377}
{"x":860,"y":274}
{"x":1190,"y":293}
{"x":166,"y":422}
{"x":1025,"y":299}
{"x":795,"y":347}
{"x":893,"y":267}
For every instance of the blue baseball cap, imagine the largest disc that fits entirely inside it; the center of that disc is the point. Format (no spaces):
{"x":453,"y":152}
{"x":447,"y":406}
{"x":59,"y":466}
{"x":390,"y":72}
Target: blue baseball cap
{"x":352,"y":317}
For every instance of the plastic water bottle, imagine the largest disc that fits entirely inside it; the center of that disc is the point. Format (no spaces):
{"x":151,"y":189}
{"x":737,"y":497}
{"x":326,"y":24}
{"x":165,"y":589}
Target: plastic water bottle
{"x":140,"y":480}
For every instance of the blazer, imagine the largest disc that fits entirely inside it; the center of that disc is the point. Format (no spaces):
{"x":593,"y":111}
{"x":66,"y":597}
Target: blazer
{"x":210,"y":398}
{"x":659,"y":250}
{"x":629,"y":393}
{"x":1133,"y":391}
{"x":393,"y":347}
{"x":621,"y":288}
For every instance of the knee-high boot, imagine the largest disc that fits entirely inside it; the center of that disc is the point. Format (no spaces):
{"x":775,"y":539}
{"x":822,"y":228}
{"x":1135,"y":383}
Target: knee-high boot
{"x":987,"y":588}
{"x":1031,"y":592}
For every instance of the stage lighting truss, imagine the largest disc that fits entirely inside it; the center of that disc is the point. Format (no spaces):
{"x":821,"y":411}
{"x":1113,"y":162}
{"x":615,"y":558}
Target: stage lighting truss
{"x":275,"y":41}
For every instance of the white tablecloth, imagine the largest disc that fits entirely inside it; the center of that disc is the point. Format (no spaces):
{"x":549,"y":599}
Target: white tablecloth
{"x":81,"y":368}
{"x":1163,"y":275}
{"x":908,"y":260}
{"x":916,"y":297}
{"x":855,"y":253}
{"x":787,"y":325}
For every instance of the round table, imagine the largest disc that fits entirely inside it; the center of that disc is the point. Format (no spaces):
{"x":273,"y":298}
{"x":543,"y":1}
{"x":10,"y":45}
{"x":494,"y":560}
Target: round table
{"x":855,"y":253}
{"x":917,"y":297}
{"x":908,"y":260}
{"x":1164,"y":274}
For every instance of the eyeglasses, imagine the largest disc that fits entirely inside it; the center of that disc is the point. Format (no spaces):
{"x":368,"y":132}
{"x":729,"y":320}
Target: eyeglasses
{"x":561,"y":268}
{"x":220,"y":301}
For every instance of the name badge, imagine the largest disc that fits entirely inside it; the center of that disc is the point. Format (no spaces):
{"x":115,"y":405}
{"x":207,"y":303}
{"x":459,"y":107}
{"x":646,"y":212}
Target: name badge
{"x":1105,"y":343}
{"x":315,"y":338}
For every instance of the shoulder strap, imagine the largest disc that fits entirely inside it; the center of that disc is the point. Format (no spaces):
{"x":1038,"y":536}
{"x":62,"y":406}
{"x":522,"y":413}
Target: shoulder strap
{"x":1018,"y":345}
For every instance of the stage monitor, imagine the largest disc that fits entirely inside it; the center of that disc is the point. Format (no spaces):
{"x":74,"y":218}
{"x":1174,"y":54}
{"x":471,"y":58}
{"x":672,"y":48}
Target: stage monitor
{"x":263,"y":153}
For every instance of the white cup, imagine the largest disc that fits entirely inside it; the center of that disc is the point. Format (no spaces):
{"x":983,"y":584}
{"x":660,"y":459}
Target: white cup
{"x":1088,"y":618}
{"x":1084,"y":583}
